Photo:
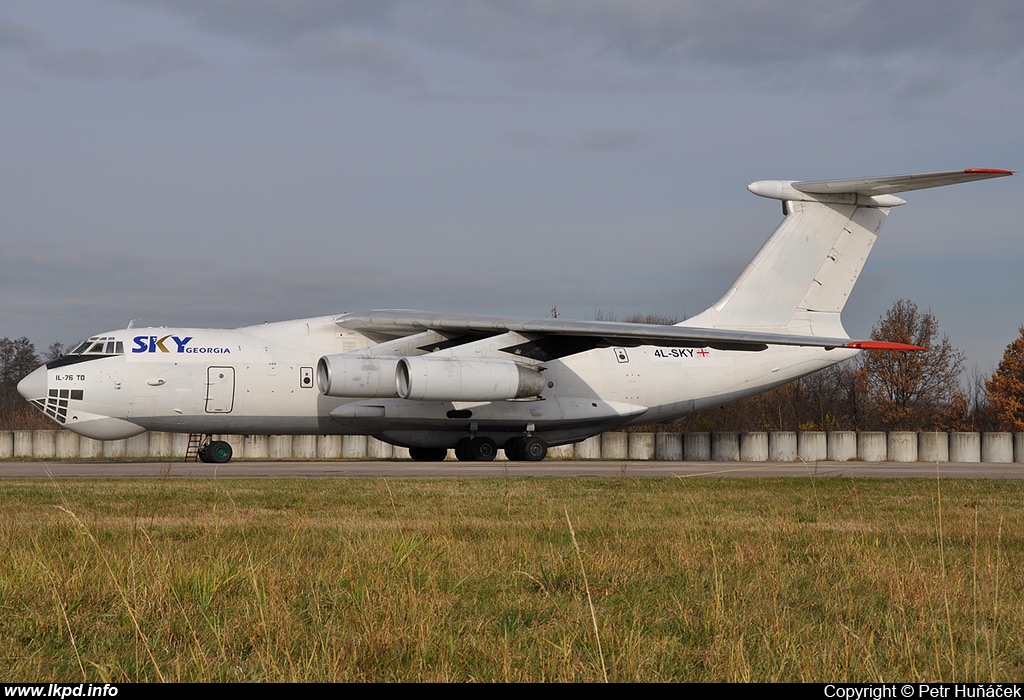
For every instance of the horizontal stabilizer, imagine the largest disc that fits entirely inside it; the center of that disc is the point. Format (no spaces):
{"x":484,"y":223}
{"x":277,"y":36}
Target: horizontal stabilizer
{"x":868,"y":191}
{"x":891,"y":184}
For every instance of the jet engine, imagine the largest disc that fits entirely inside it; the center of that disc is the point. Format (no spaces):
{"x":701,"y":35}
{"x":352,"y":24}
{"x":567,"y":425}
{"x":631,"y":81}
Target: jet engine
{"x":366,"y":377}
{"x":427,"y":378}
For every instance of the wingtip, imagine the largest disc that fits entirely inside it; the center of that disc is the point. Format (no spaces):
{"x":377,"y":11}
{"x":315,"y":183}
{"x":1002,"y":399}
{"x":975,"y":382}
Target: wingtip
{"x":989,"y":171}
{"x":883,"y":345}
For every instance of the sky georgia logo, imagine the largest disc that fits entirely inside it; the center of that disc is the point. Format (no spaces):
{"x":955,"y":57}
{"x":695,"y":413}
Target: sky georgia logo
{"x":173,"y":344}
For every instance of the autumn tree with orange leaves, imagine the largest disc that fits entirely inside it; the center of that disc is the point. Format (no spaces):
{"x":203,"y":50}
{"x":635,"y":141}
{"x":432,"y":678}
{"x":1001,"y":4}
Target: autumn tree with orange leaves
{"x":910,"y":390}
{"x":1005,"y":390}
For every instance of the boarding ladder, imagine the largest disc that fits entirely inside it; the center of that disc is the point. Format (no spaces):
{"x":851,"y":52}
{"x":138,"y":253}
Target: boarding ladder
{"x":196,"y":442}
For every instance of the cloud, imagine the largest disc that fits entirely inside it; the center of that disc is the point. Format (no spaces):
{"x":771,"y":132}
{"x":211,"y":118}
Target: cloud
{"x":138,"y":62}
{"x":607,"y":141}
{"x":272,"y":22}
{"x":380,"y":64}
{"x":594,"y":141}
{"x":730,"y":32}
{"x":16,"y":36}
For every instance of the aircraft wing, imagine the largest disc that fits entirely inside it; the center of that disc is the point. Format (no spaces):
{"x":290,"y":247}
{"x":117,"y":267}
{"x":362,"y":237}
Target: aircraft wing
{"x":549,"y":339}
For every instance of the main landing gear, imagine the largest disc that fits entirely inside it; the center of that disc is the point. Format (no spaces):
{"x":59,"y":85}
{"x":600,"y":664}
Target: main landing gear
{"x":526,"y":449}
{"x":483,"y":449}
{"x":478,"y":449}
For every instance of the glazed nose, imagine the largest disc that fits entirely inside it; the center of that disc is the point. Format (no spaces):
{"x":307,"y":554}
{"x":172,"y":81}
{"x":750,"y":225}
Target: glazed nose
{"x":34,"y":385}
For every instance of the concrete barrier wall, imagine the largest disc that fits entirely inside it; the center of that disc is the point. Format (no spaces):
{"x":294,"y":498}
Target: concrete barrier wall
{"x":280,"y":446}
{"x":257,"y":447}
{"x":902,"y":447}
{"x":812,"y":446}
{"x":1018,"y":447}
{"x":871,"y":447}
{"x":328,"y":446}
{"x":375,"y":449}
{"x":842,"y":445}
{"x":641,"y":446}
{"x":614,"y":446}
{"x":782,"y":447}
{"x":668,"y":447}
{"x":964,"y":447}
{"x":588,"y":449}
{"x":933,"y":447}
{"x":566,"y":452}
{"x":23,"y":443}
{"x":304,"y":447}
{"x":753,"y":447}
{"x":996,"y":447}
{"x":67,"y":444}
{"x":725,"y":447}
{"x":697,"y":447}
{"x":808,"y":446}
{"x":353,"y":447}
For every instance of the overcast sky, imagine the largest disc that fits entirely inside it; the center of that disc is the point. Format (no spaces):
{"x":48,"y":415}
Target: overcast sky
{"x":223,"y":163}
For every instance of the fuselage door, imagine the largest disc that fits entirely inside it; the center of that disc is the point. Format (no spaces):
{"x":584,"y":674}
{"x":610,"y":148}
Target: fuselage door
{"x":220,"y":389}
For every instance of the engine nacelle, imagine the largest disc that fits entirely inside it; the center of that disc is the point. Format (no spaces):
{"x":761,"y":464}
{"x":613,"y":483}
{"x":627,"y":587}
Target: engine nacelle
{"x":366,"y":377}
{"x":427,"y":378}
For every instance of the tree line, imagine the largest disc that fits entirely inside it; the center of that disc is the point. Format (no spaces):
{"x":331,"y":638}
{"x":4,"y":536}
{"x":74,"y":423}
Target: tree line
{"x":878,"y":390}
{"x":884,"y":390}
{"x":18,"y":357}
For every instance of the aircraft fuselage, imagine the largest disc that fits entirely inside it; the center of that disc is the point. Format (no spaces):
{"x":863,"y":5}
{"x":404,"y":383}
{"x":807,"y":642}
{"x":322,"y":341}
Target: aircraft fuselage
{"x":263,"y":380}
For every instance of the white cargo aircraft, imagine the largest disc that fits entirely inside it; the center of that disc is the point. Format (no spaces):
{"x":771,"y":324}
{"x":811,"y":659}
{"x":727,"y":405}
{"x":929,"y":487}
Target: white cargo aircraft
{"x":477,"y":384}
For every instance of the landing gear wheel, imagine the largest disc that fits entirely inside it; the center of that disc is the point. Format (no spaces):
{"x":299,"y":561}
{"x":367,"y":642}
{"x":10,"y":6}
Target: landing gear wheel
{"x":482,"y":449}
{"x":218,"y":452}
{"x":533,"y":449}
{"x":428,"y":454}
{"x":478,"y":449}
{"x":202,"y":455}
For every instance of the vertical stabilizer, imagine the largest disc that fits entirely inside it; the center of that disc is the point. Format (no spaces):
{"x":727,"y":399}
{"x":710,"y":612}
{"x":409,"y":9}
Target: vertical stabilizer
{"x":801,"y":278}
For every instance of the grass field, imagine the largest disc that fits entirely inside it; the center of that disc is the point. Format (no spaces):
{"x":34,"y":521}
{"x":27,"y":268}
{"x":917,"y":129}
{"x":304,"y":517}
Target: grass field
{"x":514,"y":579}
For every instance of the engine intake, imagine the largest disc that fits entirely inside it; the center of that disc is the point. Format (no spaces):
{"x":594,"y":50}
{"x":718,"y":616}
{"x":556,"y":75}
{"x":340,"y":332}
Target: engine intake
{"x":427,"y":378}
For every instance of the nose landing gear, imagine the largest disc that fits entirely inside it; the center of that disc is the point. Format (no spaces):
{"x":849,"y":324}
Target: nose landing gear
{"x":213,"y":452}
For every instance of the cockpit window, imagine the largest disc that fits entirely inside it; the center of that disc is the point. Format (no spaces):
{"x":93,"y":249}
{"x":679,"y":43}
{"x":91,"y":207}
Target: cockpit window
{"x":99,"y":346}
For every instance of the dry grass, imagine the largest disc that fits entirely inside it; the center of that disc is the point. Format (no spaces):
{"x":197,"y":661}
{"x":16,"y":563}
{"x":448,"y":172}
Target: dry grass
{"x":512,"y":580}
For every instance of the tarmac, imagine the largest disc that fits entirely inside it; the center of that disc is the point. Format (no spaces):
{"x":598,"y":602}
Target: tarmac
{"x":352,"y":469}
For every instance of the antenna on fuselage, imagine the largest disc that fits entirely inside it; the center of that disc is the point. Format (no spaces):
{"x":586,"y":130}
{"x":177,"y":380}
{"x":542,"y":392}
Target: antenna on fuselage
{"x":131,"y":324}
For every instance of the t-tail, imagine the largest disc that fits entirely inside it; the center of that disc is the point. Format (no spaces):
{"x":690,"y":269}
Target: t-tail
{"x":801,"y":278}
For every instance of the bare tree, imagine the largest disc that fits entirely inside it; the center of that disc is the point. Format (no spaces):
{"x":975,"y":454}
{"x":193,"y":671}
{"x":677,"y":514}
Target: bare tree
{"x":17,"y":359}
{"x":55,"y":351}
{"x":907,"y":390}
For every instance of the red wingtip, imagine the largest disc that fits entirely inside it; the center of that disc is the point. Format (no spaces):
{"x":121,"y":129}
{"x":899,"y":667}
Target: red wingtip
{"x":882,"y":345}
{"x":993,"y":171}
